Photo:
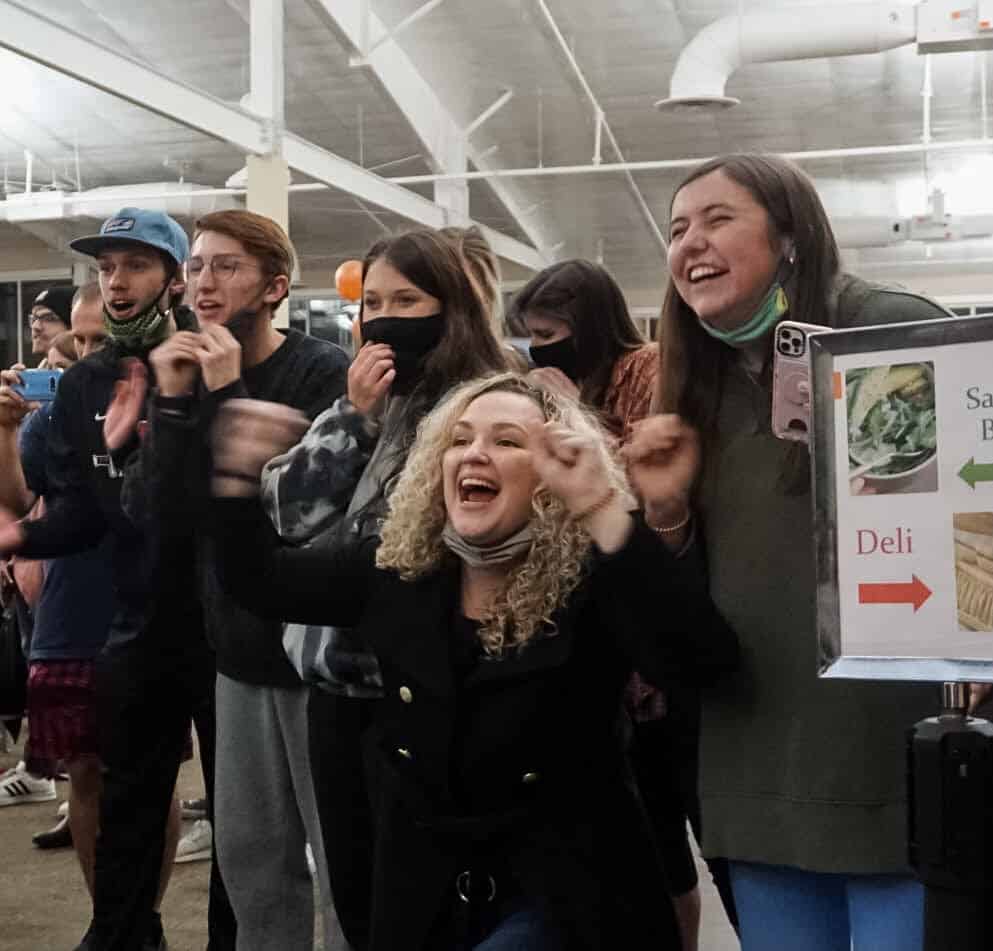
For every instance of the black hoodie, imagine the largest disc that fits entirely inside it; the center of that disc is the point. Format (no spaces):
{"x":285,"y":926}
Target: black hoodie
{"x":84,"y":504}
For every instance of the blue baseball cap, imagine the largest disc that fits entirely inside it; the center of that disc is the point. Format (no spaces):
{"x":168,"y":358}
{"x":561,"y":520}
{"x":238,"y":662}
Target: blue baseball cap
{"x":152,"y":229}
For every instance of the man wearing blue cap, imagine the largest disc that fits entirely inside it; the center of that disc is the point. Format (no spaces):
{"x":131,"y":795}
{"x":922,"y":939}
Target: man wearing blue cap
{"x":156,"y":670}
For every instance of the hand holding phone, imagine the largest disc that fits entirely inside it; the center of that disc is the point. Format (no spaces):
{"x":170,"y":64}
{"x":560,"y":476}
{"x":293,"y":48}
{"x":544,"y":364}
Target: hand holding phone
{"x":791,"y":380}
{"x":37,"y":386}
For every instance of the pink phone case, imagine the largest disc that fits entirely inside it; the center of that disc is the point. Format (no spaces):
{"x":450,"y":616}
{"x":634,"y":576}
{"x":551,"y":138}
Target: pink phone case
{"x":791,"y":380}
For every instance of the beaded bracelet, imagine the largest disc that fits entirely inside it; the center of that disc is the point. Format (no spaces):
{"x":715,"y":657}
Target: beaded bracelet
{"x":597,"y":506}
{"x":672,"y":529}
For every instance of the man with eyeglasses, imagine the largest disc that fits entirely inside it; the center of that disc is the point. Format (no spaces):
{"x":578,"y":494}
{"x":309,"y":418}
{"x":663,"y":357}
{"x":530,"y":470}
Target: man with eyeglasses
{"x":156,"y":669}
{"x":265,"y":810}
{"x":49,"y":317}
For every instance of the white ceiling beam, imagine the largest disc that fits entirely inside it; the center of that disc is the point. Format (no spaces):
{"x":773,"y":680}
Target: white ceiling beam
{"x":603,"y":126}
{"x":46,"y":42}
{"x":66,"y":51}
{"x":326,"y":167}
{"x":424,"y":110}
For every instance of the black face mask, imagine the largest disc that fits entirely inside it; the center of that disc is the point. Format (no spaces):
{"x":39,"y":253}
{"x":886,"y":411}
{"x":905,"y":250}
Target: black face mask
{"x":241,"y":324}
{"x":561,"y":354}
{"x":412,"y":339}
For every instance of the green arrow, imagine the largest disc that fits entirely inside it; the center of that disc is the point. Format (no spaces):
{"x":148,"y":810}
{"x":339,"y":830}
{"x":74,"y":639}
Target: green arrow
{"x":973,"y":472}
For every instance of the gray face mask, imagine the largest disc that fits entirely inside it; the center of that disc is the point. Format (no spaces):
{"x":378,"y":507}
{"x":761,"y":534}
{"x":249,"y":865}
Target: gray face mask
{"x":479,"y":556}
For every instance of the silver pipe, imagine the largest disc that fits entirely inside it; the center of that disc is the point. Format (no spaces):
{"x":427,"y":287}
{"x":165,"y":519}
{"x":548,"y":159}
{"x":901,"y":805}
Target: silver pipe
{"x":657,"y":165}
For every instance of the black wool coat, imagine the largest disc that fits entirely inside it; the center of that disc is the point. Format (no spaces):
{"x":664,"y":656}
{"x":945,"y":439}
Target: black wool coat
{"x":519,"y":766}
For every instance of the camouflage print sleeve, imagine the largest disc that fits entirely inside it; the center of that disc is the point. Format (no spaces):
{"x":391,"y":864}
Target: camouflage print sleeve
{"x":306,"y":490}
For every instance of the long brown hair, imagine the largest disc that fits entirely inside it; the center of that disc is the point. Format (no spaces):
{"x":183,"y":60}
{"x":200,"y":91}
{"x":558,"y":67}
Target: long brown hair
{"x":482,"y":267}
{"x":587,"y":298}
{"x":467,"y":348}
{"x":694,"y":364}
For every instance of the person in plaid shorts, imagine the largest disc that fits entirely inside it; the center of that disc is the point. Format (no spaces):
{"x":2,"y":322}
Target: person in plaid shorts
{"x":71,"y":620}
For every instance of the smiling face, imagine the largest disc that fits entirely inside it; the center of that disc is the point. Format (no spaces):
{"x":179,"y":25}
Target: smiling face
{"x":224,"y":279}
{"x":45,"y":325}
{"x":487,"y":472}
{"x":723,"y":254}
{"x":130,"y":280}
{"x":387,"y":293}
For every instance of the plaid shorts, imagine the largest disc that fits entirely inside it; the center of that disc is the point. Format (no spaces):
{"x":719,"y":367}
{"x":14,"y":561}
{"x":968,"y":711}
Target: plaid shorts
{"x":62,"y":715}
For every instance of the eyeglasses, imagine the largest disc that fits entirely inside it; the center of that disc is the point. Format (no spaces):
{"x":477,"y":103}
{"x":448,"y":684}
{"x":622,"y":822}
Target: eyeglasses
{"x":46,"y":317}
{"x":222,"y":266}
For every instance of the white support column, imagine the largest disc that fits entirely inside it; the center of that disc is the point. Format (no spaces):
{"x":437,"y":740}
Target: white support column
{"x":268,"y":177}
{"x":268,"y":74}
{"x":268,"y":184}
{"x":453,"y":196}
{"x":80,"y":273}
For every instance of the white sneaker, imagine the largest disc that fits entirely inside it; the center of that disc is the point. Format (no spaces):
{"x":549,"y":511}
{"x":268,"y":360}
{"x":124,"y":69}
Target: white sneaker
{"x":196,"y":844}
{"x":17,"y":785}
{"x":63,"y":809}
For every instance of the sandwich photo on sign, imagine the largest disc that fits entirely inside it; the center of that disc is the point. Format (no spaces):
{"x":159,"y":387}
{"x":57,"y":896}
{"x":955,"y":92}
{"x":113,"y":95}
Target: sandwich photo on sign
{"x":974,"y":570}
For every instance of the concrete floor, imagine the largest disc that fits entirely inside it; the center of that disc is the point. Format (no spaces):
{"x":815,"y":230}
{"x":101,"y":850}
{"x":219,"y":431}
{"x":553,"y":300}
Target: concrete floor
{"x":44,"y":905}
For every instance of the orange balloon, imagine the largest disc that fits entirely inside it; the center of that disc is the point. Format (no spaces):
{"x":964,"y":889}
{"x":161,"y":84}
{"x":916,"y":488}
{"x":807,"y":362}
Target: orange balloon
{"x":348,"y":280}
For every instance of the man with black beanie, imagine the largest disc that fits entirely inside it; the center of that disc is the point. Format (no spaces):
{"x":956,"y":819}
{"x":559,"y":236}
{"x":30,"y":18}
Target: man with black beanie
{"x":50,"y":316}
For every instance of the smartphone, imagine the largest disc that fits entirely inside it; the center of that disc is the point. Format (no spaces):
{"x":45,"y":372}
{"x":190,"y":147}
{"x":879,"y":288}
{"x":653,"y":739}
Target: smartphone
{"x":791,"y":380}
{"x":38,"y":386}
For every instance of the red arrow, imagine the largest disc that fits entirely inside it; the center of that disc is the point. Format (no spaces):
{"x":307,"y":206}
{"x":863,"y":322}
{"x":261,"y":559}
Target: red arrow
{"x":915,"y":593}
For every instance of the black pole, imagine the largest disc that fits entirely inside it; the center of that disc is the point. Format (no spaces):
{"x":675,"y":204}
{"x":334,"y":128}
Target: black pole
{"x":950,"y":793}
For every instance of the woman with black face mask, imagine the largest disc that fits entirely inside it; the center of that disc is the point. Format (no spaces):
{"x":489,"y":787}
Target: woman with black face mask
{"x":584,"y":343}
{"x":423,"y":329}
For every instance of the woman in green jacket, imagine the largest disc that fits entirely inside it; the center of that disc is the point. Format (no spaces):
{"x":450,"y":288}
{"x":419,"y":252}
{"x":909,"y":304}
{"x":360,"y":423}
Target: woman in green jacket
{"x":802,"y":780}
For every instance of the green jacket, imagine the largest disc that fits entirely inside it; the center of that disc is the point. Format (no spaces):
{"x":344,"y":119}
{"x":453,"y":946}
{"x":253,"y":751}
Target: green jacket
{"x":794,"y":770}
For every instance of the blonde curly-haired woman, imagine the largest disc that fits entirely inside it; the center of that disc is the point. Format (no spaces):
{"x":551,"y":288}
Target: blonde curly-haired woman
{"x":511,"y":595}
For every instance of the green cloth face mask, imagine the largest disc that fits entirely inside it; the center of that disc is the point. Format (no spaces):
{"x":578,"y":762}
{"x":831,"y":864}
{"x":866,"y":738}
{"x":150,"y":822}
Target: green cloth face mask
{"x":141,"y":333}
{"x":773,"y":308}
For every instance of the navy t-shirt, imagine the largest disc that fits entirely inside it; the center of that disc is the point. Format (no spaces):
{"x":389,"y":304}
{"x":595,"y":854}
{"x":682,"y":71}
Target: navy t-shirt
{"x":76,"y":604}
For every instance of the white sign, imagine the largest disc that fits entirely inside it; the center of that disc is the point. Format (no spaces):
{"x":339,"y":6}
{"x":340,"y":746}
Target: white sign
{"x":903,"y":437}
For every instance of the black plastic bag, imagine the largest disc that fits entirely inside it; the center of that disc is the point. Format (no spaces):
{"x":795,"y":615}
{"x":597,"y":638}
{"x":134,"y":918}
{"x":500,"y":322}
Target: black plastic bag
{"x":13,"y":671}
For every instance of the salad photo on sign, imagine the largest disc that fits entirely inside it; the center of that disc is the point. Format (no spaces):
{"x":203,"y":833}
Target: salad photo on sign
{"x":892,"y":429}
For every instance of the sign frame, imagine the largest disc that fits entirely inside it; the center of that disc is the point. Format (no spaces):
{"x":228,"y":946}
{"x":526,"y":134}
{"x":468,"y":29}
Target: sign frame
{"x":824,"y":348}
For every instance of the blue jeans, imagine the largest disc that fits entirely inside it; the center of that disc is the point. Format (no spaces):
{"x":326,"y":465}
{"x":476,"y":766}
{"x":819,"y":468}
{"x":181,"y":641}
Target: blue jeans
{"x":524,"y":927}
{"x":782,"y":907}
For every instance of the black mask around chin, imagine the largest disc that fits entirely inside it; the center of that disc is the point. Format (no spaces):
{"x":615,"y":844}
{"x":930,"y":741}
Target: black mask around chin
{"x":561,"y":354}
{"x":412,"y":339}
{"x":241,"y":324}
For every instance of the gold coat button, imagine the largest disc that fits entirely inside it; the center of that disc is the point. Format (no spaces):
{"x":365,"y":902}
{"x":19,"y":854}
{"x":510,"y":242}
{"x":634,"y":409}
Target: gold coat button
{"x":529,"y":778}
{"x":404,"y":752}
{"x":406,"y":694}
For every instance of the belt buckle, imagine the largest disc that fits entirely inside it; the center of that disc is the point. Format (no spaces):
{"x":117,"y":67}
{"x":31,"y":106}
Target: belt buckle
{"x":463,"y":887}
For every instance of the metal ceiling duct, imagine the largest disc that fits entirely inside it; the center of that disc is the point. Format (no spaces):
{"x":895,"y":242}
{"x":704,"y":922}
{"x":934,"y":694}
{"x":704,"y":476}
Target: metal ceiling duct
{"x":179,"y":199}
{"x":767,"y":36}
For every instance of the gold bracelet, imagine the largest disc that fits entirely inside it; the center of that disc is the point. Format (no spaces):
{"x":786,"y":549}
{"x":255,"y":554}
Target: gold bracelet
{"x":671,"y":529}
{"x":597,"y":506}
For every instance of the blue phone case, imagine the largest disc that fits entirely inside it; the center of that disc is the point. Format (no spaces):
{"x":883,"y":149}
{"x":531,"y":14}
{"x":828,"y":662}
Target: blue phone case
{"x":38,"y":386}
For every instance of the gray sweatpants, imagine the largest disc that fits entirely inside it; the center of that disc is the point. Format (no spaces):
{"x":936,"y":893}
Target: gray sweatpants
{"x":264,"y":814}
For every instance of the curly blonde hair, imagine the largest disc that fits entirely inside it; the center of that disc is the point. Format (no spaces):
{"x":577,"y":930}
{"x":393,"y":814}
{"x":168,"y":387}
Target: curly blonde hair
{"x":412,"y":533}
